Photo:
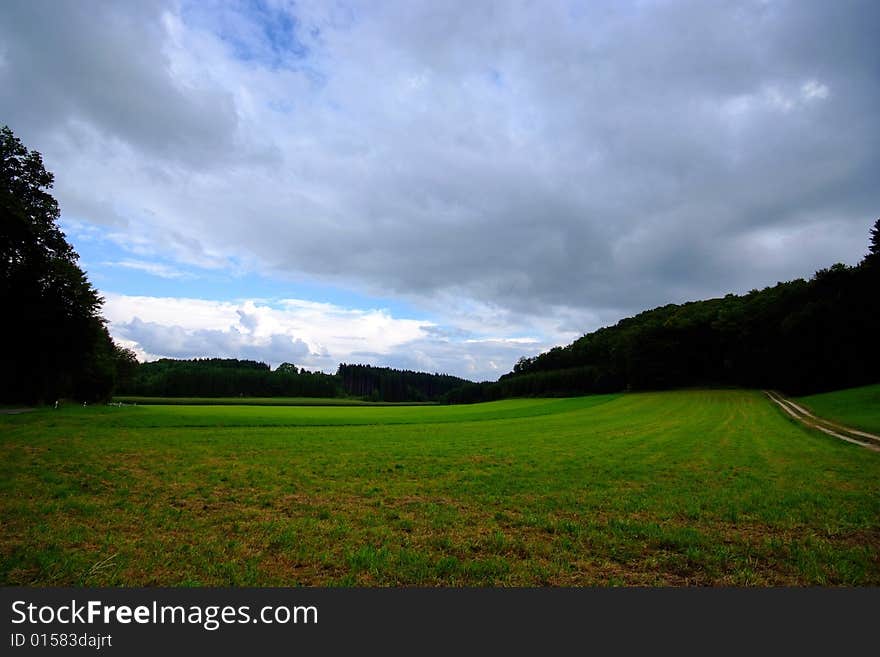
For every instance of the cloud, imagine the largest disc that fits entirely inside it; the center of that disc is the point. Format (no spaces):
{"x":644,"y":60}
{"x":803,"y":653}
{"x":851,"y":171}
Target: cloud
{"x":83,"y":67}
{"x":314,"y":335}
{"x":154,"y":268}
{"x":498,"y":166}
{"x":477,"y":360}
{"x":176,"y":342}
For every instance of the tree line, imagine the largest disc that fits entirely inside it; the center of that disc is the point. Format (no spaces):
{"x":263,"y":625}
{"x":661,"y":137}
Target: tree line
{"x":801,"y":336}
{"x":387,"y":384}
{"x":230,"y":377}
{"x":226,"y":377}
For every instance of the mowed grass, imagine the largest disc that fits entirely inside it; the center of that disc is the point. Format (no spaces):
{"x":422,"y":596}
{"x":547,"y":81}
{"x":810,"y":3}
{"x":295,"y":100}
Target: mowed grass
{"x":680,"y":488}
{"x":181,"y":416}
{"x":854,"y":407}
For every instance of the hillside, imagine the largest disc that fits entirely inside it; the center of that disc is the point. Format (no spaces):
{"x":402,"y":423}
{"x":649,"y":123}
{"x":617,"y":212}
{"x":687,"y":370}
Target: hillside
{"x":800,"y":336}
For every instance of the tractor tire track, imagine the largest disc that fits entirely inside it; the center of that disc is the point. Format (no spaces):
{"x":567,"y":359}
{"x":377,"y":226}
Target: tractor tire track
{"x":805,"y":417}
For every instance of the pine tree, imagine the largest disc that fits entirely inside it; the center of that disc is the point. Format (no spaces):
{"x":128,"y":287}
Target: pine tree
{"x":873,"y":257}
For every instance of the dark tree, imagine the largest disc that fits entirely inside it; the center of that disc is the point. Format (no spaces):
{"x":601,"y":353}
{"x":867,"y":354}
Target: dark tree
{"x":393,"y":385}
{"x":126,"y":366}
{"x":873,"y":257}
{"x":55,"y":342}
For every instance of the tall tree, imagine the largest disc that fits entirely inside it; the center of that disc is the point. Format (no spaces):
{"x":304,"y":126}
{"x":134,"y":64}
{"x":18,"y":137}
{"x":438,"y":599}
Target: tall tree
{"x":873,"y":256}
{"x":55,"y":342}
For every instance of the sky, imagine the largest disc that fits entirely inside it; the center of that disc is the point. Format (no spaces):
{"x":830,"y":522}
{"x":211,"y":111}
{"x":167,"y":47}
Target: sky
{"x":440,"y":186}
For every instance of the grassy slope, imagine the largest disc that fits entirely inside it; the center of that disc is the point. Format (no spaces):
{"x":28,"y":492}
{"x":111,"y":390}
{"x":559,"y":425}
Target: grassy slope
{"x":855,"y":407}
{"x":280,"y":416}
{"x":687,"y":487}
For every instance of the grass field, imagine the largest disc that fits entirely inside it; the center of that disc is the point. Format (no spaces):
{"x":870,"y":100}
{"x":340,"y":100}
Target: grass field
{"x":691,"y":487}
{"x":856,"y":407}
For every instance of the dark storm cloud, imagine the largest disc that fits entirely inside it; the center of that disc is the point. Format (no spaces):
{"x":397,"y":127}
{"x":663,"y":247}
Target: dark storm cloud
{"x":104,"y":65}
{"x":566,"y":161}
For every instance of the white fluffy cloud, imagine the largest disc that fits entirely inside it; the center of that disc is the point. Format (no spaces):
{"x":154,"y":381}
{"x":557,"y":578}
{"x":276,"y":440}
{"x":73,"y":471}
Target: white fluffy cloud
{"x":314,"y":335}
{"x":166,"y":326}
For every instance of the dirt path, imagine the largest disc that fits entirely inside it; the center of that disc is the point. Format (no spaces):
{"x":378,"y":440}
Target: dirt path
{"x":14,"y":411}
{"x":802,"y":415}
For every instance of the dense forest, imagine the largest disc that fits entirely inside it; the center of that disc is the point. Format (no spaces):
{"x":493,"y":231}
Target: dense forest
{"x":800,"y":337}
{"x":215,"y":377}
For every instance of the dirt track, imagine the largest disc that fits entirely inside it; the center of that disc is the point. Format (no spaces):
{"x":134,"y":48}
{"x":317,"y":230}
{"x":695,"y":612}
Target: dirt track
{"x":802,"y":415}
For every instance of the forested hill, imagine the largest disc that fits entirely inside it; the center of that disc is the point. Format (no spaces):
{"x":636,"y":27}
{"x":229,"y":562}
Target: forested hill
{"x":800,"y":337}
{"x":215,"y":377}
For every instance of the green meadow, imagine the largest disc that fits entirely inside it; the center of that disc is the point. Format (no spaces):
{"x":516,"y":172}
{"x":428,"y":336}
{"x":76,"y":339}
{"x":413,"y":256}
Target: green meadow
{"x":697,"y":487}
{"x":855,"y":407}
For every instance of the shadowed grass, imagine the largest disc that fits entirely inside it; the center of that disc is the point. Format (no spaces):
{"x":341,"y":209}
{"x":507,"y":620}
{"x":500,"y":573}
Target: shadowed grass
{"x":692,"y":487}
